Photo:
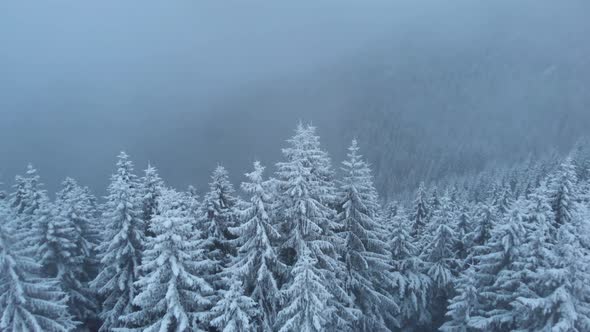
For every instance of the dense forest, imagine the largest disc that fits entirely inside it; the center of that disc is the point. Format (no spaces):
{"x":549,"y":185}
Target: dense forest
{"x":304,"y":246}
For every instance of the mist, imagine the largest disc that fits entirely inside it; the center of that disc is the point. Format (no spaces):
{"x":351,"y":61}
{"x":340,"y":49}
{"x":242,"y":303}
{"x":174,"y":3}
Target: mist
{"x":188,"y":85}
{"x":283,"y":165}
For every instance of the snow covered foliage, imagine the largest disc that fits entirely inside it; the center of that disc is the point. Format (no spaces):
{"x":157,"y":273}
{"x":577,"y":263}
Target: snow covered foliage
{"x":28,"y":196}
{"x":420,"y":212}
{"x":28,"y":301}
{"x":439,"y":254}
{"x":306,"y":299}
{"x":463,"y":306}
{"x":485,"y":218}
{"x":234,"y":312}
{"x":67,"y":249}
{"x":257,"y":263}
{"x":463,"y":228}
{"x":308,"y":250}
{"x":308,"y":221}
{"x":410,"y":285}
{"x":217,"y":214}
{"x":219,"y":205}
{"x":173,"y":295}
{"x":498,"y":271}
{"x":559,"y":299}
{"x":151,"y":189}
{"x":120,"y":253}
{"x":29,"y":202}
{"x":563,"y":193}
{"x":365,"y":253}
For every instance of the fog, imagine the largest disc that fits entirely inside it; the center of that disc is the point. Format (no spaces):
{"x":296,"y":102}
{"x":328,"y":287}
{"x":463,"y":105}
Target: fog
{"x":186,"y":85}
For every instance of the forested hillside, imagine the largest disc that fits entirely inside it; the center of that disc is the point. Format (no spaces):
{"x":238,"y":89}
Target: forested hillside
{"x":426,"y":107}
{"x":302,"y":245}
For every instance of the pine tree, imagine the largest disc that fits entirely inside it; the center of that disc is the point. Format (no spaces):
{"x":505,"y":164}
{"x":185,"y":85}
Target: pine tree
{"x":434,"y":202}
{"x":365,"y":253}
{"x":151,"y":189}
{"x":173,"y":295}
{"x":29,"y":201}
{"x":391,"y":209}
{"x":440,"y":256}
{"x":28,"y":196}
{"x":463,"y":306}
{"x":561,"y":298}
{"x":563,"y":193}
{"x":421,"y":212}
{"x":503,"y":200}
{"x":308,"y":220}
{"x":525,"y":260}
{"x":194,"y":207}
{"x":463,"y":229}
{"x":485,"y":218}
{"x":539,"y":213}
{"x":67,"y":249}
{"x":257,"y":262}
{"x":28,"y":302}
{"x":57,"y":246}
{"x":218,"y":213}
{"x":220,"y":204}
{"x":410,"y":285}
{"x":499,"y":273}
{"x":581,"y":158}
{"x":234,"y":312}
{"x":307,"y":298}
{"x":120,"y":253}
{"x":440,"y":251}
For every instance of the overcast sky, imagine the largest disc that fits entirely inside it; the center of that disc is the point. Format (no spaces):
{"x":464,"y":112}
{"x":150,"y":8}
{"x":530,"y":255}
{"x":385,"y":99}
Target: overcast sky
{"x":81,"y":80}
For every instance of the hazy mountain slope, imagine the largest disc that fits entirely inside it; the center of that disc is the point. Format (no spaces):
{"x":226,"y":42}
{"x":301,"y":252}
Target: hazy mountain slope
{"x":430,"y":103}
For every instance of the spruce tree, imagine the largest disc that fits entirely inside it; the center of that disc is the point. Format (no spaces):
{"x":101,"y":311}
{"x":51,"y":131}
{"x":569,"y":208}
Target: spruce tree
{"x":217,"y":214}
{"x":434,"y":202}
{"x":29,"y":202}
{"x":555,"y":266}
{"x":173,"y":295}
{"x":463,"y":229}
{"x":67,"y":249}
{"x":257,"y":263}
{"x":561,"y":298}
{"x":28,"y":195}
{"x":503,"y":200}
{"x":563,"y":193}
{"x":440,"y":256}
{"x":420,"y":212}
{"x":220,"y":204}
{"x":151,"y":189}
{"x":410,"y":285}
{"x":308,"y":220}
{"x":28,"y":301}
{"x":463,"y":306}
{"x":365,"y":254}
{"x":485,"y":218}
{"x":120,"y":253}
{"x":499,"y":272}
{"x":307,"y":298}
{"x":235,"y":312}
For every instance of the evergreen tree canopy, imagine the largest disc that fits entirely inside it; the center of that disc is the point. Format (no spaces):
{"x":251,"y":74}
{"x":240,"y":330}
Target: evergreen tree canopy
{"x":123,"y":246}
{"x":257,"y":262}
{"x":28,"y":302}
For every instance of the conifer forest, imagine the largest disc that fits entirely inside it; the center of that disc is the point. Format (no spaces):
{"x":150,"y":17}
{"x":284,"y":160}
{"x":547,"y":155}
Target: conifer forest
{"x":295,"y":166}
{"x":302,"y":246}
